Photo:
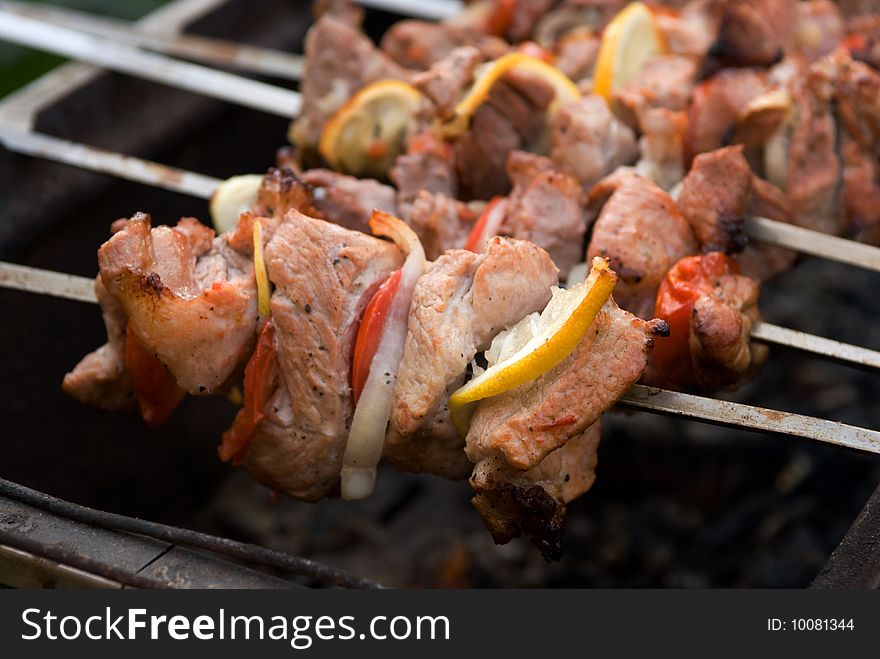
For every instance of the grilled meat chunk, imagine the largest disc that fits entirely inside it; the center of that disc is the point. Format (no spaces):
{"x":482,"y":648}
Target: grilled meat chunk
{"x":714,"y":198}
{"x":545,"y":208}
{"x":666,"y":81}
{"x":762,"y":261}
{"x":340,"y":60}
{"x":532,"y":502}
{"x":280,"y":190}
{"x":445,"y":82}
{"x":524,"y":425}
{"x":100,"y":378}
{"x":642,"y":232}
{"x":440,"y":222}
{"x":589,"y":141}
{"x":691,"y":31}
{"x":722,"y":353}
{"x":189,"y":298}
{"x":324,"y":276}
{"x":346,"y":200}
{"x":418,"y":44}
{"x":756,"y":32}
{"x":662,"y":146}
{"x":427,"y":166}
{"x":512,"y":118}
{"x":813,"y":167}
{"x":717,"y":104}
{"x":459,"y":305}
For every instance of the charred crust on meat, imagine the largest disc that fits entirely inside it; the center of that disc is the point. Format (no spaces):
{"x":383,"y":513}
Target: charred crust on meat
{"x":510,"y":511}
{"x":154,"y":282}
{"x":658,"y":327}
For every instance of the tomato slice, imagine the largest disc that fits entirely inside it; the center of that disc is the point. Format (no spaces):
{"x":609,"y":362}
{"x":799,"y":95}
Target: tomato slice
{"x":155,"y":388}
{"x":370,"y":332}
{"x":487,"y":225}
{"x":686,"y":281}
{"x":260,"y":383}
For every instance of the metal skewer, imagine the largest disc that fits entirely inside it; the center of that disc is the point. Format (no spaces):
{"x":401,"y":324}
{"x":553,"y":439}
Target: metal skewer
{"x":211,"y":51}
{"x":127,"y":59}
{"x":72,"y":287}
{"x":435,"y":10}
{"x":639,"y":397}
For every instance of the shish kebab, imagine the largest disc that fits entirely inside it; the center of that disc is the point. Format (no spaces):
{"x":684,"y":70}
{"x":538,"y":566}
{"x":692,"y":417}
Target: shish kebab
{"x":494,"y":509}
{"x":20,"y":24}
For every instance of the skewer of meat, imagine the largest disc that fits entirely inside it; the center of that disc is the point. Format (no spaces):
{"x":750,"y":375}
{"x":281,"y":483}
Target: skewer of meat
{"x":758,"y":227}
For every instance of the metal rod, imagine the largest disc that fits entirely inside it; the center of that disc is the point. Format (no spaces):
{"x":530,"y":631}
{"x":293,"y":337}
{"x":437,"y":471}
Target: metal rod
{"x":739,"y":415}
{"x":108,"y":162}
{"x":436,"y":10}
{"x":127,"y":59}
{"x":212,"y":51}
{"x":812,"y":242}
{"x":45,"y":282}
{"x":639,"y":397}
{"x":185,"y":537}
{"x":817,"y":345}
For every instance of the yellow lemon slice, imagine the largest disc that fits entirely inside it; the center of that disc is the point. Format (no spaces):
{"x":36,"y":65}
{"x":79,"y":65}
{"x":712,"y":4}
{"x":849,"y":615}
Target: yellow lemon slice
{"x":261,"y":272}
{"x":491,"y":73}
{"x":232,"y":198}
{"x":630,"y":39}
{"x":537,"y":343}
{"x":365,"y":136}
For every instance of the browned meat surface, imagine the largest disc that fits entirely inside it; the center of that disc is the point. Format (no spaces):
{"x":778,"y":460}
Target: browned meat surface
{"x":459,"y":305}
{"x":722,"y":353}
{"x":589,"y":141}
{"x":762,"y":261}
{"x":100,"y":379}
{"x":427,"y":166}
{"x":189,"y":298}
{"x":576,"y":53}
{"x":513,"y":117}
{"x":342,"y":10}
{"x":281,"y":190}
{"x":717,"y":104}
{"x":523,"y":17}
{"x":714,"y":198}
{"x":533,"y":502}
{"x":324,"y":276}
{"x":692,"y":31}
{"x":662,"y":146}
{"x":756,"y":32}
{"x":666,"y":81}
{"x":858,"y":107}
{"x":346,"y":200}
{"x":440,"y":222}
{"x":863,"y":37}
{"x":520,"y":428}
{"x":418,"y":44}
{"x":813,"y":169}
{"x":545,"y":208}
{"x":445,"y":82}
{"x":340,"y":59}
{"x":642,"y":232}
{"x":820,"y":27}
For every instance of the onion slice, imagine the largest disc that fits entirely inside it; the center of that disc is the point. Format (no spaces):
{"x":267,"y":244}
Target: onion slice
{"x":367,"y":434}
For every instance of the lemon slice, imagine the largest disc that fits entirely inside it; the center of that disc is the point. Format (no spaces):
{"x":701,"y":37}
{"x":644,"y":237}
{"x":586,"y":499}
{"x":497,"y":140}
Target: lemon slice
{"x":491,"y":73}
{"x":365,"y":136}
{"x":261,"y":272}
{"x":630,"y":39}
{"x":537,"y":343}
{"x":232,"y":198}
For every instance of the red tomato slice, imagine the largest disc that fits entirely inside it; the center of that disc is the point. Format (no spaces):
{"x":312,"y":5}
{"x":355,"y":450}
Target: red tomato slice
{"x":487,"y":224}
{"x":155,"y":388}
{"x":260,"y":383}
{"x":684,"y":284}
{"x":370,"y":332}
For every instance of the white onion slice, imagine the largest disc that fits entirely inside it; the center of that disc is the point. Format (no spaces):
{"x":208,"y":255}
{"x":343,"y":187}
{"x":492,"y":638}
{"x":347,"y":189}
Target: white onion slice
{"x":233,"y":197}
{"x":497,"y":215}
{"x":367,"y":434}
